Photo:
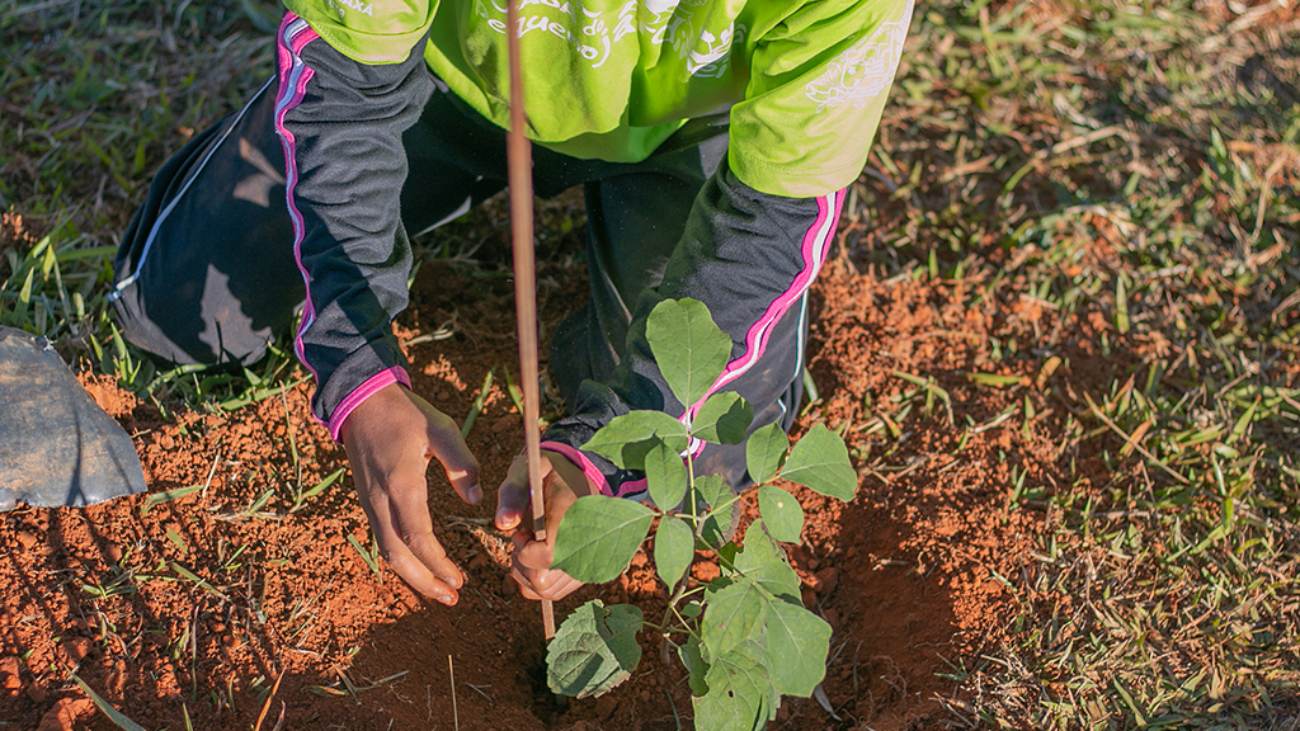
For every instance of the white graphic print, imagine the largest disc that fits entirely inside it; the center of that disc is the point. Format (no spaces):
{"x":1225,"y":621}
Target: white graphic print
{"x":712,"y":62}
{"x":862,"y":72}
{"x":594,"y":33}
{"x":661,"y":6}
{"x":361,"y":7}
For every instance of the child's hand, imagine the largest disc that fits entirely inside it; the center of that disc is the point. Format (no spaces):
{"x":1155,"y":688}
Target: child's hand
{"x":390,"y":439}
{"x":564,"y":483}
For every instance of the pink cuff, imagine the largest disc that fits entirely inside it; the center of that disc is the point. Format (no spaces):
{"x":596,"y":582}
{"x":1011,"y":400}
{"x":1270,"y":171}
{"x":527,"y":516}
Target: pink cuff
{"x":581,"y":460}
{"x":370,"y":387}
{"x":633,"y":487}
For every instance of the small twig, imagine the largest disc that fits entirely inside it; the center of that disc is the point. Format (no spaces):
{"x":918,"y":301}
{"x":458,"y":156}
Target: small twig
{"x":267,"y":705}
{"x":1081,"y":140}
{"x":211,"y":471}
{"x":1264,"y":191}
{"x":1106,"y":420}
{"x":455,"y":713}
{"x":479,"y":689}
{"x":1245,"y":21}
{"x":347,"y":683}
{"x":194,"y":649}
{"x":479,"y":402}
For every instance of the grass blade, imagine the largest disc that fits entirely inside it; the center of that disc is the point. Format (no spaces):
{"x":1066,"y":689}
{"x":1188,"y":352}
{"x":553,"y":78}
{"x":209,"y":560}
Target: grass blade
{"x":114,"y":715}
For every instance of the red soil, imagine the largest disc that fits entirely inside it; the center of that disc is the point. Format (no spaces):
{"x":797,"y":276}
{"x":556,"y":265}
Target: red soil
{"x":298,"y":628}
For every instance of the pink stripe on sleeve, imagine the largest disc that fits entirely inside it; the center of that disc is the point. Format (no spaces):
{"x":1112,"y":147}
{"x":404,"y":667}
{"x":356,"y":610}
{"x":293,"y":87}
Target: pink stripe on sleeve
{"x":816,"y":242}
{"x":293,"y":36}
{"x":581,"y":461}
{"x":370,"y":387}
{"x":632,"y":487}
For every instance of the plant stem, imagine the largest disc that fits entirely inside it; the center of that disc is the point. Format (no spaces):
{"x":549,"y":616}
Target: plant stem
{"x":732,"y":501}
{"x":690,"y":489}
{"x":685,"y":625}
{"x":697,"y":528}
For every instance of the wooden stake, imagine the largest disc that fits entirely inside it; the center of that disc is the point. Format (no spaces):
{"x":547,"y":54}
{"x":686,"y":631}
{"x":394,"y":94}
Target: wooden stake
{"x":519,"y":159}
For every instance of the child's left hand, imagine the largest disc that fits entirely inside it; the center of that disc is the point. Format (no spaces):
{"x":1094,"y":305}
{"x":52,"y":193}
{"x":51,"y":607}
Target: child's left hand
{"x":563,"y":483}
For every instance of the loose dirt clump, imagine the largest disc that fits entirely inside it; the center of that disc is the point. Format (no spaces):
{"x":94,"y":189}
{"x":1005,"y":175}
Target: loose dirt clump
{"x":221,"y":601}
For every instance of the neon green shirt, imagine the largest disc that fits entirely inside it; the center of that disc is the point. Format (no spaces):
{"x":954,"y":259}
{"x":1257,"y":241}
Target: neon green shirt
{"x":612,"y":79}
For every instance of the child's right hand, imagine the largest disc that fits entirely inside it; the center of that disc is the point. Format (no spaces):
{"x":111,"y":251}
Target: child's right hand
{"x":390,"y":439}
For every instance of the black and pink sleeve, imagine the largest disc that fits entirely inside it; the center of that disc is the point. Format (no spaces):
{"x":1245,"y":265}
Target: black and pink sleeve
{"x":341,"y":124}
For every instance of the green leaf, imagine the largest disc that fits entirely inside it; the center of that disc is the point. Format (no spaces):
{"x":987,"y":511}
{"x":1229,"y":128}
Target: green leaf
{"x":158,"y":498}
{"x":598,"y":537}
{"x":995,"y":380}
{"x":594,"y":650}
{"x":666,"y":476}
{"x":731,"y":615}
{"x":723,"y":419}
{"x":727,"y":553}
{"x":690,"y":350}
{"x":177,"y":541}
{"x":1121,"y":306}
{"x":820,"y":461}
{"x":718,"y":527}
{"x":320,"y":487}
{"x":781,"y":512}
{"x":757,"y":652}
{"x":801,"y":640}
{"x":715,"y":491}
{"x":674,"y":549}
{"x":763,"y":453}
{"x":739,"y":696}
{"x":695,"y":665}
{"x":763,"y":561}
{"x":1239,"y":429}
{"x":626,"y":439}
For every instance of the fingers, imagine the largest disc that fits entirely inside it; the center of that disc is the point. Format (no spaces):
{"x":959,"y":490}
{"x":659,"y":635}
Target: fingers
{"x":555,"y":585}
{"x":531,"y":564}
{"x":390,"y":439}
{"x":404,"y":532}
{"x":531,"y":570}
{"x":448,"y":446}
{"x":411,"y":519}
{"x":531,"y":554}
{"x":514,"y":499}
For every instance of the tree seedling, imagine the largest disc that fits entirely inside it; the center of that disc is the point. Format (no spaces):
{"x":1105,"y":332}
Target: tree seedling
{"x":745,"y":637}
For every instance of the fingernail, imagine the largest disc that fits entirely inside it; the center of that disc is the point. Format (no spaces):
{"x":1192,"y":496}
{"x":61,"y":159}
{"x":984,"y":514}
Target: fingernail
{"x":475,"y":495}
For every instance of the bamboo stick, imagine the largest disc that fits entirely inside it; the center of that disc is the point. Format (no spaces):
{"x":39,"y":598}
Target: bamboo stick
{"x":519,"y":159}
